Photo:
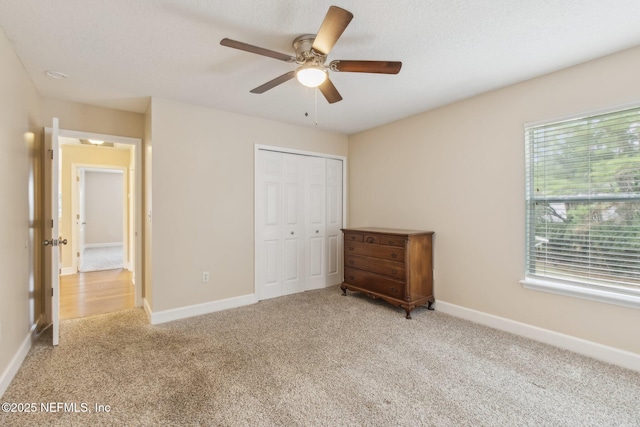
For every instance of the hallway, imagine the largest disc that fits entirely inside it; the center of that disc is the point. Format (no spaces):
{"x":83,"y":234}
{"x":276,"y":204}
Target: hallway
{"x":98,"y":292}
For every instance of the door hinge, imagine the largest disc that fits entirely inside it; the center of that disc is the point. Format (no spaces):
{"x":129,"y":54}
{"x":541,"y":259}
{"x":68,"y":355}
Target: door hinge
{"x":51,"y":154}
{"x":77,"y":179}
{"x":51,"y":291}
{"x":78,"y":254}
{"x":78,"y":216}
{"x":51,"y":223}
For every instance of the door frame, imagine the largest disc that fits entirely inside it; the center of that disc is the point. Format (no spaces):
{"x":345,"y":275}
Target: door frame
{"x":285,"y":150}
{"x":137,"y":196}
{"x":76,"y":209}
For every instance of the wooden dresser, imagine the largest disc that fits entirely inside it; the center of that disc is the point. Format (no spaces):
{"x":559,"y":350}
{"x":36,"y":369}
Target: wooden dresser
{"x":393,"y":265}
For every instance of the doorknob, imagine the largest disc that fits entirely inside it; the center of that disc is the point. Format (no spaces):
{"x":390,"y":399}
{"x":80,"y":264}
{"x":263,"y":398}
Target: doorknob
{"x":62,"y":242}
{"x":47,"y":242}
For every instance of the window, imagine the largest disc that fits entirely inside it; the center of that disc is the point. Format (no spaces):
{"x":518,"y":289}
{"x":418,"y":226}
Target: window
{"x":583,"y":207}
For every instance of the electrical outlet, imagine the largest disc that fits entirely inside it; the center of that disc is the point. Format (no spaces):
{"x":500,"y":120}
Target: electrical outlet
{"x":205,"y":276}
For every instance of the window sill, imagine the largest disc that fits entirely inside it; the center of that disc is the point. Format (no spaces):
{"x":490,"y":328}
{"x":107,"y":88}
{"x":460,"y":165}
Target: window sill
{"x":575,"y":290}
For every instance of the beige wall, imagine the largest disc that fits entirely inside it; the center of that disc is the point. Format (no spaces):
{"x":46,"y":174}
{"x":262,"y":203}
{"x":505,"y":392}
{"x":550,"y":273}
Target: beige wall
{"x":203,"y":215}
{"x":20,"y":211}
{"x":86,"y":118}
{"x":83,"y":155}
{"x":459,"y":171}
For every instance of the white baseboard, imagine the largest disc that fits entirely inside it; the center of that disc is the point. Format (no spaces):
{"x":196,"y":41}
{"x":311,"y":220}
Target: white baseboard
{"x":16,"y":361}
{"x":623,"y":358}
{"x":102,"y":245}
{"x":65,"y":271}
{"x":198,"y":309}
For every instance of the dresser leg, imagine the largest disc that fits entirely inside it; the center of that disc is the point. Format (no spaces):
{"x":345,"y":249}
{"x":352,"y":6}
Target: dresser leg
{"x":344,"y":290}
{"x":429,"y":306}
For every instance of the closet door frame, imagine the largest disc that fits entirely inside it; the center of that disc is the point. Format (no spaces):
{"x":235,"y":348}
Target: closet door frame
{"x":256,"y":228}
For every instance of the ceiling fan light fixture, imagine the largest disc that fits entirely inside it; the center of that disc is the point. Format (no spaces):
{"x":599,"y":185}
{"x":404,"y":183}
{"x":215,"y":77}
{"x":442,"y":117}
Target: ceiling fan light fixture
{"x":311,"y":76}
{"x":96,"y":142}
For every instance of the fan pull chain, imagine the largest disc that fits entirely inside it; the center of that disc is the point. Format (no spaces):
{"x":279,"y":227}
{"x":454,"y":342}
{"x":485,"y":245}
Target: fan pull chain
{"x":316,"y":104}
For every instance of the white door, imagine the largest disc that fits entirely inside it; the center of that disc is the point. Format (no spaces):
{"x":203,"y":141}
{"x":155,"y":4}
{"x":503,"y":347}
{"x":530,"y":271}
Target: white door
{"x":268,"y":213}
{"x":292,"y":223}
{"x":334,"y":210}
{"x":280,"y":223}
{"x":52,"y":240}
{"x":298,"y":242}
{"x":315,"y":194}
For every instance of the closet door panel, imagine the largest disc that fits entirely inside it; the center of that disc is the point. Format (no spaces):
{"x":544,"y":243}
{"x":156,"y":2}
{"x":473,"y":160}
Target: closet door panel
{"x":272,"y":262}
{"x":293,"y":224}
{"x":333,"y":212}
{"x":315,"y":189}
{"x":269,"y":216}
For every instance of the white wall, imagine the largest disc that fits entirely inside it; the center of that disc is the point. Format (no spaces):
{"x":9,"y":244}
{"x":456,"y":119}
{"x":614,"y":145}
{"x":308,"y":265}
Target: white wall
{"x":459,"y":171}
{"x":103,"y":207}
{"x":203,"y":215}
{"x":20,"y":148}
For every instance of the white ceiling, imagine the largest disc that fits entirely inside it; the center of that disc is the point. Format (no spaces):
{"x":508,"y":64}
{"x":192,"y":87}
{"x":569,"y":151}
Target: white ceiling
{"x":118,"y":53}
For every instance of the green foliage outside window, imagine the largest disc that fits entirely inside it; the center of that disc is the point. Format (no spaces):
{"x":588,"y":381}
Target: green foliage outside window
{"x":583,"y":195}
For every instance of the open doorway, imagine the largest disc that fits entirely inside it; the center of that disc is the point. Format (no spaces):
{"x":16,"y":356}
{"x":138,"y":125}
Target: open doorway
{"x":101,"y":222}
{"x":97,"y":213}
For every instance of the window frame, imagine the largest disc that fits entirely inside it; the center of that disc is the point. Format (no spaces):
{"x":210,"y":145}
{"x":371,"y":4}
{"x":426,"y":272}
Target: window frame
{"x":623,"y":296}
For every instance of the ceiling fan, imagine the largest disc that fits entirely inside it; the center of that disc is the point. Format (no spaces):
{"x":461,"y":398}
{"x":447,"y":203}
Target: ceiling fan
{"x":311,"y":51}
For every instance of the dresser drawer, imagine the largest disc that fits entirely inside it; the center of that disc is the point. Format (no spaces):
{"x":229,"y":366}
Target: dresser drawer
{"x":374,"y":282}
{"x":371,"y":238}
{"x":392,"y":241}
{"x":378,"y":251}
{"x":385,"y":267}
{"x":353,"y":237}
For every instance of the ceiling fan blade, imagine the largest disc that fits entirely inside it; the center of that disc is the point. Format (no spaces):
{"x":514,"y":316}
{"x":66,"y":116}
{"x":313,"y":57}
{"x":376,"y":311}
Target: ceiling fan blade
{"x":330,"y":92}
{"x":382,"y":67}
{"x":275,"y":82}
{"x":255,"y":49}
{"x":331,"y":29}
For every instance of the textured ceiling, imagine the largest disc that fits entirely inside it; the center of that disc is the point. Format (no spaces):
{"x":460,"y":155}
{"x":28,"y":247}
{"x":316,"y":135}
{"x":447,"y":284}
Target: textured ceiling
{"x":118,"y":53}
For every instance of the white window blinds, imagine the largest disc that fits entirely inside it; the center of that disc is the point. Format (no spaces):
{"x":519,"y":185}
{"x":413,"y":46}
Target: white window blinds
{"x":583,"y":201}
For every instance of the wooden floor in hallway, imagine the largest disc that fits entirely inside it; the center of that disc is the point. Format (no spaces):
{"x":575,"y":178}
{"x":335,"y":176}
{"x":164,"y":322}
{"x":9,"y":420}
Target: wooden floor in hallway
{"x":96,"y":292}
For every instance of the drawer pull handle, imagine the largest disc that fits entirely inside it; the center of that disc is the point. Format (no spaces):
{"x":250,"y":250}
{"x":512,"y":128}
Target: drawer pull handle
{"x":370,"y":239}
{"x":350,"y":277}
{"x":351,"y":262}
{"x":391,"y":242}
{"x":394,"y":271}
{"x":350,"y":248}
{"x":394,"y":289}
{"x":353,"y":237}
{"x":394,"y":255}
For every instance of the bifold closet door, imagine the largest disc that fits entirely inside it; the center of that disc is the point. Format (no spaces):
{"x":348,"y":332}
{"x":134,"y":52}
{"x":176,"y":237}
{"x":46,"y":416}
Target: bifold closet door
{"x":298,"y":221}
{"x":333,"y":212}
{"x":315,"y":221}
{"x":323,"y":191}
{"x":279,"y":255}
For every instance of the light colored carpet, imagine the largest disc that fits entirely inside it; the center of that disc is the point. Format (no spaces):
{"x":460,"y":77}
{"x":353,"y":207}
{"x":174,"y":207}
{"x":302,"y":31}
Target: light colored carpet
{"x":102,"y":258}
{"x":316,"y":359}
